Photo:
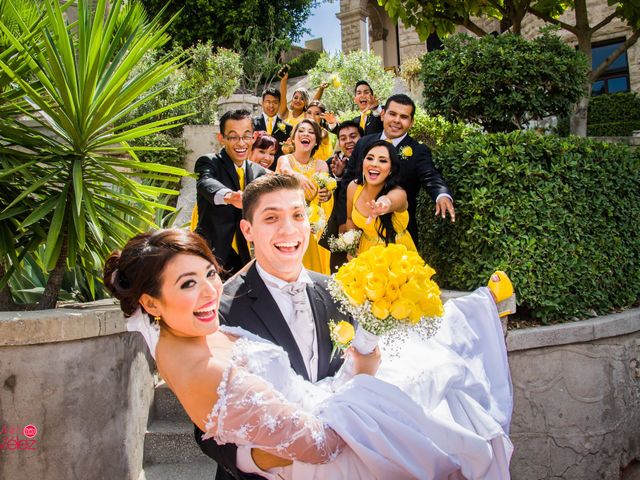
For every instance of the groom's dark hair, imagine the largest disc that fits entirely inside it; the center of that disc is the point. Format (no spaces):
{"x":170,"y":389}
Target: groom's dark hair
{"x":263,"y":185}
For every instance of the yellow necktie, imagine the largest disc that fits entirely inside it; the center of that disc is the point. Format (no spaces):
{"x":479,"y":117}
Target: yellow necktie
{"x":363,"y":120}
{"x":240,"y":172}
{"x":270,"y":125}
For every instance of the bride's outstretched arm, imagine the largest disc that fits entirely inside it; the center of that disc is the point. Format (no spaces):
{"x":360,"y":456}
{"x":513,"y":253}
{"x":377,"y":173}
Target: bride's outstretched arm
{"x":250,"y":412}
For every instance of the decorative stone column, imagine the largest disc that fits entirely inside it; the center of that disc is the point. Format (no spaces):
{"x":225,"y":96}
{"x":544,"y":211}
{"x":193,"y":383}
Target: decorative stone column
{"x":353,"y":24}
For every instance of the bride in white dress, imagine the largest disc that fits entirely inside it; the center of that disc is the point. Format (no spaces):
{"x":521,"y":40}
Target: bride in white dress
{"x":439,"y":410}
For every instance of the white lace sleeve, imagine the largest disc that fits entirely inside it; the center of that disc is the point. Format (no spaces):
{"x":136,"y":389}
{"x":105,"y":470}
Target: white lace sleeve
{"x":250,"y":412}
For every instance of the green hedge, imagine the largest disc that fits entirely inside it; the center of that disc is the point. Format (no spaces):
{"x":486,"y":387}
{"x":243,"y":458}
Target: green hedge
{"x":610,"y":115}
{"x":560,"y":215}
{"x":301,"y":65}
{"x":435,"y":131}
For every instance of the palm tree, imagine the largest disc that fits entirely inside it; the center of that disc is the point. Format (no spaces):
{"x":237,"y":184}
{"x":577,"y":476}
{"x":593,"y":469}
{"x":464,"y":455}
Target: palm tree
{"x":69,"y":178}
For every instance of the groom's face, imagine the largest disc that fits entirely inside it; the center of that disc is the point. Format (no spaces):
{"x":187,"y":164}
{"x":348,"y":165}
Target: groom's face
{"x":279,"y":229}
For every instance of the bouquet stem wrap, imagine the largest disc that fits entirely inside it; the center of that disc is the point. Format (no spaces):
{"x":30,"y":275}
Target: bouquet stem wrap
{"x":364,"y":341}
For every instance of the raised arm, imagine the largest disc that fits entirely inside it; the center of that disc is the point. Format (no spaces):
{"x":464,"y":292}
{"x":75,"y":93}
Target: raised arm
{"x":320,"y":91}
{"x":250,"y":412}
{"x":283,"y":111}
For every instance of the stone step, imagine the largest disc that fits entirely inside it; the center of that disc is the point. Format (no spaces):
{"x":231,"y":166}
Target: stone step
{"x":171,"y":442}
{"x":199,"y":470}
{"x":166,"y":406}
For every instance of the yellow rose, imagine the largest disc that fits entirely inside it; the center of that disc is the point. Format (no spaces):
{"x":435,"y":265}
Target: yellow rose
{"x":401,"y":308}
{"x":403,"y":269}
{"x":393,"y":290}
{"x":374,"y":286}
{"x":355,"y":294}
{"x":343,"y":332}
{"x":412,"y":290}
{"x":415,"y":315}
{"x":406,"y":152}
{"x":431,"y":305}
{"x":380,"y":308}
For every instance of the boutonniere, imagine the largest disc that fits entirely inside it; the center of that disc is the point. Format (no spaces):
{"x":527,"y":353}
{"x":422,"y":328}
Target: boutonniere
{"x":406,"y":152}
{"x":341,"y":334}
{"x":282,"y":127}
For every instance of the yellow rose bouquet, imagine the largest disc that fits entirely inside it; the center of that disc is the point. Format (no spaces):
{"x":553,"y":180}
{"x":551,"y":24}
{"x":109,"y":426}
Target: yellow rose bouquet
{"x":389,"y":291}
{"x":324,"y":180}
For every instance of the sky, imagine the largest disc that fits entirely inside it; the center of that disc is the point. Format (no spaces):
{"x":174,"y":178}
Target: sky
{"x":323,"y":23}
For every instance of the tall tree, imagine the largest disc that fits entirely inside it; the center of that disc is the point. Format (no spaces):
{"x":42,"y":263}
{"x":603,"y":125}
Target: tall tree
{"x":443,"y":16}
{"x":225,"y":22}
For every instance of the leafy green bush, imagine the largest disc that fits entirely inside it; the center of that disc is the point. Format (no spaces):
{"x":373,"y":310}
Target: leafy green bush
{"x":610,"y":115}
{"x":560,"y":215}
{"x":502,"y":82}
{"x":436,"y":131}
{"x":350,"y":68}
{"x":301,"y":65}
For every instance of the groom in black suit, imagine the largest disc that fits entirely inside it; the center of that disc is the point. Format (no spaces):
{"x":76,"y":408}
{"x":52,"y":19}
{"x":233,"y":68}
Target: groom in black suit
{"x":221,"y":180}
{"x":416,"y":166}
{"x":269,"y":121}
{"x":258,"y":300}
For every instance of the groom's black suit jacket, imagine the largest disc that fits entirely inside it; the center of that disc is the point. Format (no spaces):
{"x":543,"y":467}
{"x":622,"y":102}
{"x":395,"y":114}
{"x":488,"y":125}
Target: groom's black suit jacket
{"x":416,"y":171}
{"x":281,"y":132}
{"x":246,"y":302}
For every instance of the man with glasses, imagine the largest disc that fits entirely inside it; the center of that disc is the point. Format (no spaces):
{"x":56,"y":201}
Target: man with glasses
{"x":221,"y":180}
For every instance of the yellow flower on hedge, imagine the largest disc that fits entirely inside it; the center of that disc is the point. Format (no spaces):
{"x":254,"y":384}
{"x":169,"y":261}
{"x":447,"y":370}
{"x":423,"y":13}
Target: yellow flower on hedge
{"x":380,"y":308}
{"x":355,"y":294}
{"x":336,"y":81}
{"x":401,"y":308}
{"x":374,"y":286}
{"x":343,"y":332}
{"x":406,"y":152}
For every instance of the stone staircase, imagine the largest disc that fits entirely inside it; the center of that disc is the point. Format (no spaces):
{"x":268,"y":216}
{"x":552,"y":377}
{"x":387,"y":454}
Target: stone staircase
{"x":170,"y":451}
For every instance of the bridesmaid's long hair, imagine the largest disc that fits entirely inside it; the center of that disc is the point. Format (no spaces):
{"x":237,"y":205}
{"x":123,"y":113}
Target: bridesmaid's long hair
{"x":385,"y":226}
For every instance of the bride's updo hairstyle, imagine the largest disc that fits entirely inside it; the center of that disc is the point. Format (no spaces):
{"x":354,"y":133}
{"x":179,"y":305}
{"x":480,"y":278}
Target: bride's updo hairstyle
{"x":139,"y":267}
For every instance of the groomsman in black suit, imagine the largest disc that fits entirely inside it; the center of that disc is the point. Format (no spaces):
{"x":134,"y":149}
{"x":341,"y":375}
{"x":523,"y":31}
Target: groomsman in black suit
{"x":369,"y":118}
{"x":416,"y":166}
{"x":261,"y":300}
{"x":270,"y":122}
{"x":348,"y":133}
{"x":221,"y":180}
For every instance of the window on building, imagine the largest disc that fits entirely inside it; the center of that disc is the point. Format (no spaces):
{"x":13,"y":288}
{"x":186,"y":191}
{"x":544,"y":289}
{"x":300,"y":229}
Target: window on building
{"x":616,"y":77}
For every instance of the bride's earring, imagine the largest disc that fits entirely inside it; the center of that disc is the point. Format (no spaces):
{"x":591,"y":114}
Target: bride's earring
{"x":156,"y":321}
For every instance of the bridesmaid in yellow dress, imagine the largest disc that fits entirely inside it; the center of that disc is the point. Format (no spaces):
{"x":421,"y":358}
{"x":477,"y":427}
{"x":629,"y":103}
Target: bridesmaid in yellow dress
{"x":301,"y":163}
{"x":316,"y":111}
{"x":294,"y":113}
{"x":376,"y":204}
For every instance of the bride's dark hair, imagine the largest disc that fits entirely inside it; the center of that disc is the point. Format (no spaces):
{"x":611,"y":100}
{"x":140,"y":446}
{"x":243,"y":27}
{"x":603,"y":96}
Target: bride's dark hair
{"x":138,"y":268}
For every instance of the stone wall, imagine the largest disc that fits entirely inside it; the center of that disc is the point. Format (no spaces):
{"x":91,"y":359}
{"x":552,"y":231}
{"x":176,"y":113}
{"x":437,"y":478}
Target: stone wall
{"x":576,"y":398}
{"x":85,"y":385}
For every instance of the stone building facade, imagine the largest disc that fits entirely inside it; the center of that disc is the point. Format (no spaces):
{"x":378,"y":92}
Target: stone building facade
{"x":366,"y":26}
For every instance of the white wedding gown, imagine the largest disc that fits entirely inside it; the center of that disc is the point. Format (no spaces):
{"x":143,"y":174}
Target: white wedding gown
{"x":439,"y":410}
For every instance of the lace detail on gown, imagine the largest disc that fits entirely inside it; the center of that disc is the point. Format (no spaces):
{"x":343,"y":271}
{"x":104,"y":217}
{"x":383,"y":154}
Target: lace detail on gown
{"x":249,"y":411}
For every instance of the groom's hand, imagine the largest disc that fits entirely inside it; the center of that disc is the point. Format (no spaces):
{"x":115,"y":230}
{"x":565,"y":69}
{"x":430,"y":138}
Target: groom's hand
{"x":265,"y":460}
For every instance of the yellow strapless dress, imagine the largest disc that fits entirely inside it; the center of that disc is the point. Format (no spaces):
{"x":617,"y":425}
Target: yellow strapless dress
{"x":316,"y":258}
{"x":370,"y":237}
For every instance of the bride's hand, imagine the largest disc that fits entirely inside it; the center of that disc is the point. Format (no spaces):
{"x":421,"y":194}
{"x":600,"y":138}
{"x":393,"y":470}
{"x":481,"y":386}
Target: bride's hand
{"x":367,"y":364}
{"x":265,"y":460}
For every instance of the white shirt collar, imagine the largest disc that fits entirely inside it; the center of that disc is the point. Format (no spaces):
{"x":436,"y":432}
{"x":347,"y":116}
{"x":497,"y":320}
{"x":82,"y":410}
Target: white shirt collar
{"x":266,"y":118}
{"x":395,"y":141}
{"x":275,"y":282}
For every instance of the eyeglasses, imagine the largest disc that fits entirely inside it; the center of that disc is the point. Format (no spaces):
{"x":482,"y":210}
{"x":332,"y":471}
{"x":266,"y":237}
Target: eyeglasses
{"x":236,"y":139}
